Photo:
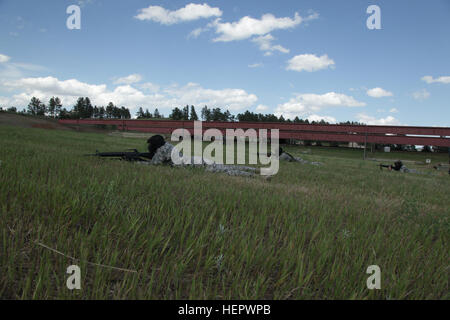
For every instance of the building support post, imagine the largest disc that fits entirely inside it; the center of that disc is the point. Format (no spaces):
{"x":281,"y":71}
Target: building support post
{"x":365,"y":145}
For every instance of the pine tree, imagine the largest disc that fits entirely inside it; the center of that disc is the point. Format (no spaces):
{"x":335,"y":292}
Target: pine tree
{"x":88,"y":109}
{"x":110,"y":110}
{"x":52,"y":106}
{"x":156,"y":114}
{"x":193,"y":114}
{"x":101,"y":112}
{"x":227,"y":116}
{"x":206,"y":114}
{"x":58,"y":106}
{"x":78,"y":108}
{"x":140,"y":114}
{"x":176,"y":114}
{"x":36,"y":107}
{"x":186,"y":113}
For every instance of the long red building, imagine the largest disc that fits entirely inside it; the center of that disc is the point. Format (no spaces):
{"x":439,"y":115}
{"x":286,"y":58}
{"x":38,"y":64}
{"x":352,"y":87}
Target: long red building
{"x":407,"y":135}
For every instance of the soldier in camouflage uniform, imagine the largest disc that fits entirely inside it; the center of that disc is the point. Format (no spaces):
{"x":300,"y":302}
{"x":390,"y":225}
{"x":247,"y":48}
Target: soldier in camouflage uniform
{"x":161,"y":152}
{"x":399,"y":166}
{"x":283,"y":155}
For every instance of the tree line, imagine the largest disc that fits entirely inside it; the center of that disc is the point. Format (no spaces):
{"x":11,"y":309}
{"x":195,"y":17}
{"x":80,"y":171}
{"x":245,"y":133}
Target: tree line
{"x":216,"y":114}
{"x":141,"y":114}
{"x":82,"y":109}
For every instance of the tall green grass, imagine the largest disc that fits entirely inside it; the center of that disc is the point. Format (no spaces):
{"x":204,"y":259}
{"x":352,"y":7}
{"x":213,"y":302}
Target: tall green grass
{"x":308,"y":233}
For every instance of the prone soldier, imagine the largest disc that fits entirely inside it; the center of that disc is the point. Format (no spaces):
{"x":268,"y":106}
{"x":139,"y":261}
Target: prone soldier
{"x":283,"y":155}
{"x":398,"y":166}
{"x":161,"y":153}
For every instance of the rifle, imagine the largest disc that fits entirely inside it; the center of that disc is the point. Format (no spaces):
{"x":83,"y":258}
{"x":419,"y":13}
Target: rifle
{"x":385,"y":166}
{"x":134,"y":155}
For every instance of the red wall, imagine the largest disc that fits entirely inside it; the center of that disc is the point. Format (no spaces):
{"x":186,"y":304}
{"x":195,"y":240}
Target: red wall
{"x":434,"y":136}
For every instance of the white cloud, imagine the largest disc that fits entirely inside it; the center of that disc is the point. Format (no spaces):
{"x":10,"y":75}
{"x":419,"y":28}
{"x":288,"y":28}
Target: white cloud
{"x":317,"y":118}
{"x":247,"y":26}
{"x":126,"y":95}
{"x":232,"y":99}
{"x":265,"y":44}
{"x":308,"y":104}
{"x":83,"y":3}
{"x":4,"y":58}
{"x":196,"y":32}
{"x":393,"y":110}
{"x":389,"y":120}
{"x":4,"y":102}
{"x":255,"y":65}
{"x":190,"y":12}
{"x":309,"y":62}
{"x":150,"y":86}
{"x":379,"y":93}
{"x":421,"y":94}
{"x":261,"y":108}
{"x":71,"y":87}
{"x":132,"y":78}
{"x":430,"y":79}
{"x":15,"y":70}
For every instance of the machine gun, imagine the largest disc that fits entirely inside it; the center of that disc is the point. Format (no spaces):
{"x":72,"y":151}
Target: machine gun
{"x":132,"y":155}
{"x":397,"y":166}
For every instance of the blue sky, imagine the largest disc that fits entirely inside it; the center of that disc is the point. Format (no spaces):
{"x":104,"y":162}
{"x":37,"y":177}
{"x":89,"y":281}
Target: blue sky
{"x":312,"y":59}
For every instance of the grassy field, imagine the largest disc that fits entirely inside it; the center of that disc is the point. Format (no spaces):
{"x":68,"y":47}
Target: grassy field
{"x":308,"y":233}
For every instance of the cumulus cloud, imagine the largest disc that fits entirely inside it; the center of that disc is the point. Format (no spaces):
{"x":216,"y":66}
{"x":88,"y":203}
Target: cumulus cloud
{"x":379,"y":93}
{"x":71,"y":87}
{"x":132,"y":78}
{"x":421,"y":94}
{"x":4,"y":58}
{"x":389,"y":120}
{"x":393,"y":110}
{"x":430,"y":79}
{"x":247,"y":26}
{"x":126,"y":95}
{"x":309,"y":62}
{"x":265,"y":44}
{"x":150,"y":86}
{"x":309,"y":104}
{"x":232,"y":99}
{"x":317,"y":118}
{"x":261,"y":108}
{"x":190,"y":12}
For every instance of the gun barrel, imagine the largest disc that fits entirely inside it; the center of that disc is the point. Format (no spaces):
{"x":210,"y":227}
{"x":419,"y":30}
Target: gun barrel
{"x":113,"y":154}
{"x":131,"y":156}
